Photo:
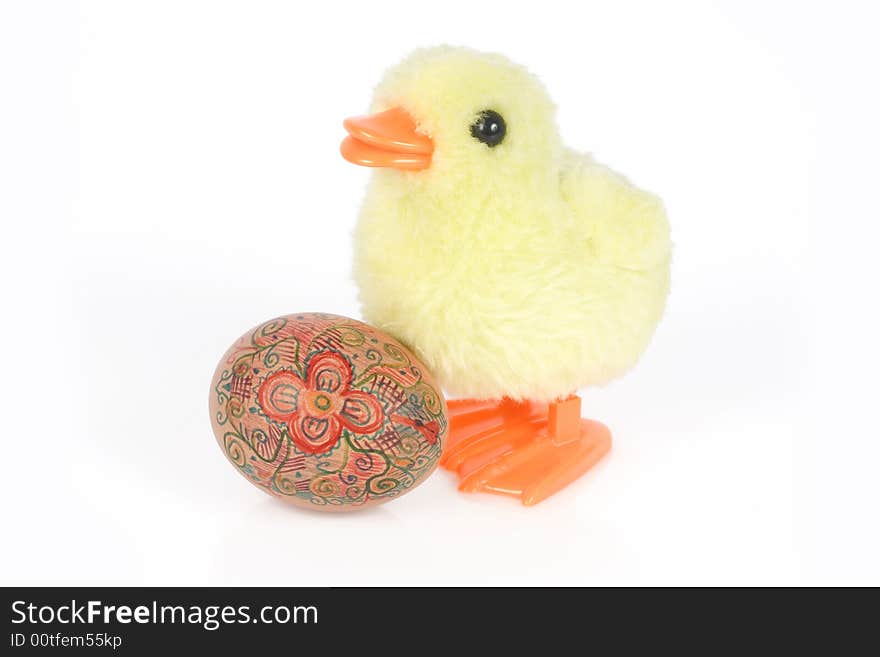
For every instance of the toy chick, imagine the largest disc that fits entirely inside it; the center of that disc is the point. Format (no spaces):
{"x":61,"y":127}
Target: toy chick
{"x":519,"y":270}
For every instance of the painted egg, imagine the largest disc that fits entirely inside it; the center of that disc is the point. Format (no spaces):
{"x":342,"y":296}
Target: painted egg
{"x":327,"y":412}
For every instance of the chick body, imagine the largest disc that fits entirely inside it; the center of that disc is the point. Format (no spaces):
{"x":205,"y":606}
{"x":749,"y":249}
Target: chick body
{"x":525,"y":273}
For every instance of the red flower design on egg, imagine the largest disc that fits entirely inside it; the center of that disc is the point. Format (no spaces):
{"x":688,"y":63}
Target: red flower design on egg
{"x":317,"y":409}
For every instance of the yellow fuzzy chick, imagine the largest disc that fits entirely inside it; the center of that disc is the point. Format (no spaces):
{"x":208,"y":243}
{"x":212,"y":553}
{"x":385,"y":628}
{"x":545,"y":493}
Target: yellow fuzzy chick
{"x":518,"y":270}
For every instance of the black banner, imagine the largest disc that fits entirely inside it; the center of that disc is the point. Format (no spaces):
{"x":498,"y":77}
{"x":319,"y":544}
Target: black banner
{"x":282,"y":621}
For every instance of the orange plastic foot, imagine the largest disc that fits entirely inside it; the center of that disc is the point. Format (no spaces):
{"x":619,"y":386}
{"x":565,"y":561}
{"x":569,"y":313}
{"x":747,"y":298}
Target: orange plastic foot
{"x":522,"y":449}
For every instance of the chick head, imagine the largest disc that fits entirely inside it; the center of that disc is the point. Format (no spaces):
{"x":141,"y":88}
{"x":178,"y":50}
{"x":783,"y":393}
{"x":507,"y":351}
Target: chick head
{"x":454,"y":115}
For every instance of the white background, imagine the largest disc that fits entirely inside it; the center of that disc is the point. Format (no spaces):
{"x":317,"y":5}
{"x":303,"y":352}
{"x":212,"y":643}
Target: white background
{"x":169,"y":177}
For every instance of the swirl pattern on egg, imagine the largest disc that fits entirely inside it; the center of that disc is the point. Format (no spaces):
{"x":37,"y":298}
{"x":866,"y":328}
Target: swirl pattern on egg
{"x":327,"y":412}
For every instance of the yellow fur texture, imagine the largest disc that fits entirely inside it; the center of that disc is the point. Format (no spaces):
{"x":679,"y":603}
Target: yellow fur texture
{"x":526,"y":270}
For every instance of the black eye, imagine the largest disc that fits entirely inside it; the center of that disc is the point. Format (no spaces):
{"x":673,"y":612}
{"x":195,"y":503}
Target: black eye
{"x":489,"y":128}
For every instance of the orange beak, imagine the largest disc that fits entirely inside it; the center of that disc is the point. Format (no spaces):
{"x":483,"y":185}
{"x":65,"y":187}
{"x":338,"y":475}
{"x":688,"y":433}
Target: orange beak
{"x":386,"y":139}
